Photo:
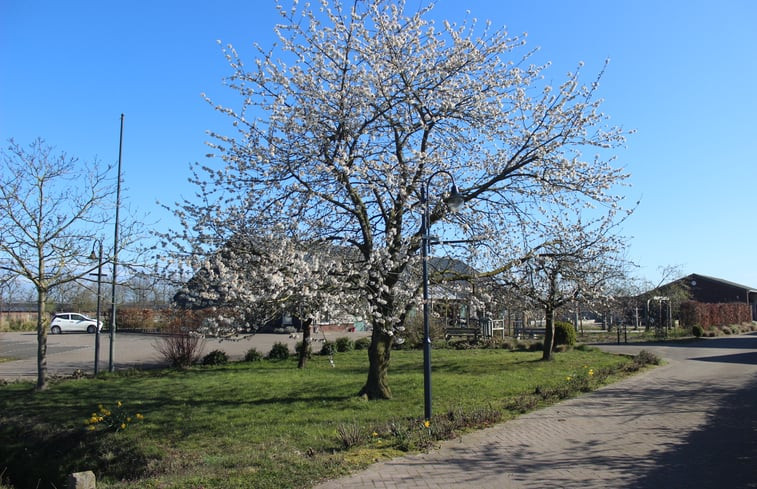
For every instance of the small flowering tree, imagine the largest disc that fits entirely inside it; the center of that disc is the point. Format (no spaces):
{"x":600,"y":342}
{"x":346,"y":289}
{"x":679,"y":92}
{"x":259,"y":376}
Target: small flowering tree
{"x":582,"y":263}
{"x":254,"y":278}
{"x":340,"y":129}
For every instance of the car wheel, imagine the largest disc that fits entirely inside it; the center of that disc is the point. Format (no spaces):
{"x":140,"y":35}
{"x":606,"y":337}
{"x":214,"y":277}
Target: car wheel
{"x":55,"y":330}
{"x":91,"y":328}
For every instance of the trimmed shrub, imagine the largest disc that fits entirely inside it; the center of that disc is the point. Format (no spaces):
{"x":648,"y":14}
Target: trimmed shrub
{"x":216,"y":357}
{"x":362,"y":343}
{"x":344,"y":344}
{"x":135,"y":318}
{"x":721,"y":314}
{"x":646,"y":357}
{"x":279,"y":351}
{"x":253,"y":355}
{"x":697,"y":331}
{"x":303,"y":348}
{"x":565,"y":334}
{"x":328,"y":348}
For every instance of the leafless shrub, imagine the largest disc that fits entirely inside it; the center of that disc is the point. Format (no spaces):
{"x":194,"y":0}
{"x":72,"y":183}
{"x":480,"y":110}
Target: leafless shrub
{"x":180,"y":348}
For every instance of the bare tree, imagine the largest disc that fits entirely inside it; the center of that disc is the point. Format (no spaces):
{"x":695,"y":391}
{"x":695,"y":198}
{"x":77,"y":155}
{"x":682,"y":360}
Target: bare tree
{"x":51,"y":208}
{"x":343,"y":128}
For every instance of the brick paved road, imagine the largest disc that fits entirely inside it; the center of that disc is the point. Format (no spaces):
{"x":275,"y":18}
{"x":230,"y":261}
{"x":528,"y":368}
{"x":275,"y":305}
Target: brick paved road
{"x":689,"y":424}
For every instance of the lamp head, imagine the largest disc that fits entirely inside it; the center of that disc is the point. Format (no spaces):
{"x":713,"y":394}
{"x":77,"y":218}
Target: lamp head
{"x":455,"y":199}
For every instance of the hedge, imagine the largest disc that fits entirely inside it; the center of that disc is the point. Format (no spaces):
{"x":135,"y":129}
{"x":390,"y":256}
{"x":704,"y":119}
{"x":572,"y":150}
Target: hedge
{"x":707,"y":315}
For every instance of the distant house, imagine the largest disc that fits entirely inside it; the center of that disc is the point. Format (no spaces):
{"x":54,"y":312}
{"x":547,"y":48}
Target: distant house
{"x":702,"y":288}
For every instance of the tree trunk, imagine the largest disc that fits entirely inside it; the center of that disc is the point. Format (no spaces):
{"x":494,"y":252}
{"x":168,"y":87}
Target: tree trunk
{"x":377,"y":386}
{"x":41,"y":341}
{"x":549,"y":333}
{"x":306,"y":340}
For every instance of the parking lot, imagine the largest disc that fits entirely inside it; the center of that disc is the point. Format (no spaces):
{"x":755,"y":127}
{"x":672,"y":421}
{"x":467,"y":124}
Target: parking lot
{"x":67,"y":353}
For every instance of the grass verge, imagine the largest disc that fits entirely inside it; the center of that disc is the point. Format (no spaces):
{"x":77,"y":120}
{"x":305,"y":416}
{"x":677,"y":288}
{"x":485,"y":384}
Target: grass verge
{"x":267,"y":424}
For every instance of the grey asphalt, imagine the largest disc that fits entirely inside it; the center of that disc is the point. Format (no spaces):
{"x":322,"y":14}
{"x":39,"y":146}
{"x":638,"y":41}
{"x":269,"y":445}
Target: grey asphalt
{"x":691,"y":423}
{"x":67,"y":353}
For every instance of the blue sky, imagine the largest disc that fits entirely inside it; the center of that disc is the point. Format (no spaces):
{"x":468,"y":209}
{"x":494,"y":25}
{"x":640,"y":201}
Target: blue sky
{"x":682,"y":74}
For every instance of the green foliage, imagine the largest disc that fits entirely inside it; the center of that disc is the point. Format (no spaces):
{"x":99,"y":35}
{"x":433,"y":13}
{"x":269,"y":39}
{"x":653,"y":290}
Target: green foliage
{"x":302,"y":345}
{"x":344,"y":344}
{"x":697,"y":331}
{"x":363,"y":343}
{"x":279,"y":351}
{"x":565,"y":333}
{"x":253,"y":355}
{"x":115,"y":420}
{"x":642,"y":360}
{"x":216,"y":357}
{"x":328,"y":348}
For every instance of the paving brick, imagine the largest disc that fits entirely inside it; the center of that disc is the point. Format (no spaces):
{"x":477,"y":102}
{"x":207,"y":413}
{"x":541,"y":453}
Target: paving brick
{"x":655,"y":429}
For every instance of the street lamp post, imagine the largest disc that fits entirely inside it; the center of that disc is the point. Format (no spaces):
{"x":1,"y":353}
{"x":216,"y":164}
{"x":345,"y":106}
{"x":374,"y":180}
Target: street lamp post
{"x":99,"y":258}
{"x":454,"y":201}
{"x":111,"y":361}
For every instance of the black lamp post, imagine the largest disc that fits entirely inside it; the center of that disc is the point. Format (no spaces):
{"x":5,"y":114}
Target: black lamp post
{"x":454,"y":201}
{"x":99,"y":258}
{"x":111,"y":360}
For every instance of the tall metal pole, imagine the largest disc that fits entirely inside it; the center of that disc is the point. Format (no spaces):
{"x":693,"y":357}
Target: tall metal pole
{"x":426,"y":328}
{"x":111,"y":365}
{"x":455,"y":201}
{"x":97,"y":317}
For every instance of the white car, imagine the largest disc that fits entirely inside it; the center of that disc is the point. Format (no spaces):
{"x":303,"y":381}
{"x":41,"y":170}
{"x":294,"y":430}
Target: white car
{"x":71,"y":321}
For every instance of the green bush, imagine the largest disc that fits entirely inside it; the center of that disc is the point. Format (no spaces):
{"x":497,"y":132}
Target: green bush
{"x":344,"y":344}
{"x":697,"y":331}
{"x":565,"y":334}
{"x":647,"y":358}
{"x":253,"y":355}
{"x":362,"y":343}
{"x":303,"y":348}
{"x":328,"y":348}
{"x":279,"y":351}
{"x":215,"y":357}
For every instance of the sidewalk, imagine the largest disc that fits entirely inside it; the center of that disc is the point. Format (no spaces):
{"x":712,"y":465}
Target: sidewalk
{"x":691,"y":423}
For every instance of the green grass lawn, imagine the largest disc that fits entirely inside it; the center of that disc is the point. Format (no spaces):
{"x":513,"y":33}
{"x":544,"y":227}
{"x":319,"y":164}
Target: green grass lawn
{"x":267,"y":424}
